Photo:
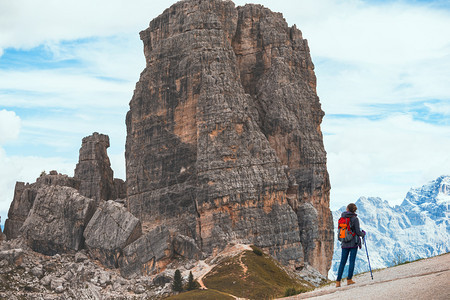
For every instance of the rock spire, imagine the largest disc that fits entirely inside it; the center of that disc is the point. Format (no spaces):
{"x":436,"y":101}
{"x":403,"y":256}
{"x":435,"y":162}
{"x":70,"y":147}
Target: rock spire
{"x":223,"y":133}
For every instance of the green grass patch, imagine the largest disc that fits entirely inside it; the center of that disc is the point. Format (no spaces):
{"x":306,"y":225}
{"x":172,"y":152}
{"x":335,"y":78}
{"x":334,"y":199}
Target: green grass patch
{"x":264,"y":278}
{"x":208,"y":294}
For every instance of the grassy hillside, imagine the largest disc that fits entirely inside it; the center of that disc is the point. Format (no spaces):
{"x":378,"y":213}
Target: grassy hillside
{"x":253,"y":275}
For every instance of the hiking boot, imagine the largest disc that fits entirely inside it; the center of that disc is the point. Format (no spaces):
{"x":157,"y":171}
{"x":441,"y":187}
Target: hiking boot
{"x":349,"y":281}
{"x":338,"y":284}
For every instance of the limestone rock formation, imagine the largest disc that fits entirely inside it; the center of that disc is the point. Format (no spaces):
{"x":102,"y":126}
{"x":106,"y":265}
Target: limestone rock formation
{"x":150,"y":253}
{"x":24,"y":196}
{"x":93,"y":179}
{"x":223,"y":133}
{"x":57,"y":220}
{"x":94,"y":170}
{"x":110,"y":230}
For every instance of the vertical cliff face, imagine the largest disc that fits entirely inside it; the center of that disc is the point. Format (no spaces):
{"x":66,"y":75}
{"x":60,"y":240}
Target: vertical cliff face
{"x":223,"y":133}
{"x":276,"y":69}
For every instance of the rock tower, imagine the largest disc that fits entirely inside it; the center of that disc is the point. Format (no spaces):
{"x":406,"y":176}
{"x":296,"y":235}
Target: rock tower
{"x":223,"y":134}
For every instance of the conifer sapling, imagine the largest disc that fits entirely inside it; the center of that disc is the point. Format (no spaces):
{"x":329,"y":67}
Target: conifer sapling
{"x":177,"y":285}
{"x":191,"y":283}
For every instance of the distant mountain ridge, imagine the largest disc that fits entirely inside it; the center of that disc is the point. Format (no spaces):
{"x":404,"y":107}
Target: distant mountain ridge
{"x":417,"y":228}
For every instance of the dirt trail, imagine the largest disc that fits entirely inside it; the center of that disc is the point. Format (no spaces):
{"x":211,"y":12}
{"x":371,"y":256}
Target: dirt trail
{"x":244,"y":267}
{"x":424,"y":279}
{"x":200,"y":279}
{"x":204,"y":268}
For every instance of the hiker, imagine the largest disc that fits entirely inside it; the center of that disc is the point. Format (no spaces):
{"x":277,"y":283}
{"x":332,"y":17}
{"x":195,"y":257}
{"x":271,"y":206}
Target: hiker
{"x":350,"y":247}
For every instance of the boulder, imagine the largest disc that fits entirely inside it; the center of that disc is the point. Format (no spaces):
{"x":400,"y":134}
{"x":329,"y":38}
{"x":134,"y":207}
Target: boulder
{"x":110,"y":230}
{"x":148,"y":254}
{"x":57,"y":220}
{"x":24,"y":196}
{"x":186,"y":247}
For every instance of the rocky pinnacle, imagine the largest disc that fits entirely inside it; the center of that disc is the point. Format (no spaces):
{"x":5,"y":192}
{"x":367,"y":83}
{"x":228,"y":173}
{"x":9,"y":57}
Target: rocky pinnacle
{"x":94,"y":170}
{"x":223,"y":134}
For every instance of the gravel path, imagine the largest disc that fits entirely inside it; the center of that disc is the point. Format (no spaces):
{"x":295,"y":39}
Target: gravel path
{"x":424,"y":279}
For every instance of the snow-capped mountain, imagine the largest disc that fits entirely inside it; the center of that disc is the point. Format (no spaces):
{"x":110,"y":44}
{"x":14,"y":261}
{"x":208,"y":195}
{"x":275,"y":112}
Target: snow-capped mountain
{"x":417,"y":228}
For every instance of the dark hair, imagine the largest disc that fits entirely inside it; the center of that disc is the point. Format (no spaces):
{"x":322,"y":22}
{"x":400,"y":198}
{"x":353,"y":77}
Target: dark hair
{"x":352,"y":207}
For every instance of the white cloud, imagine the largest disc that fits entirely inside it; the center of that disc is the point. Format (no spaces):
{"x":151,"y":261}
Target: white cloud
{"x":9,"y":126}
{"x":352,"y":89}
{"x":392,"y":32}
{"x":383,"y":157}
{"x":388,"y":34}
{"x":61,"y":88}
{"x":440,"y":108}
{"x":28,"y":23}
{"x":117,"y":56}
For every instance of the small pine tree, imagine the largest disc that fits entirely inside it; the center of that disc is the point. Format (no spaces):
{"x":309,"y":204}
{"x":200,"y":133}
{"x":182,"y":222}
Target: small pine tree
{"x":191,"y":283}
{"x":257,"y":251}
{"x":290,"y":292}
{"x":177,"y":285}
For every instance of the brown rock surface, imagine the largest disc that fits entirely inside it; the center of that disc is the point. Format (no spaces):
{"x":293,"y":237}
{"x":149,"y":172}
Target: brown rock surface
{"x":223,"y":133}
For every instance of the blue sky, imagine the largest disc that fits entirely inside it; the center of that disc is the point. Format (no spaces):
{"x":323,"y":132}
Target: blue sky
{"x":383,"y":72}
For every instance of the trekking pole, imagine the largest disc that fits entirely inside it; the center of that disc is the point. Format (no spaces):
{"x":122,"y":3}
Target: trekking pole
{"x":367,"y":252}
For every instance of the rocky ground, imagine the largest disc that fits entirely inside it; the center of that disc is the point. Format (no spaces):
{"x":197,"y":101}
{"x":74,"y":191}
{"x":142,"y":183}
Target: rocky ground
{"x":25,"y":274}
{"x":423,"y":279}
